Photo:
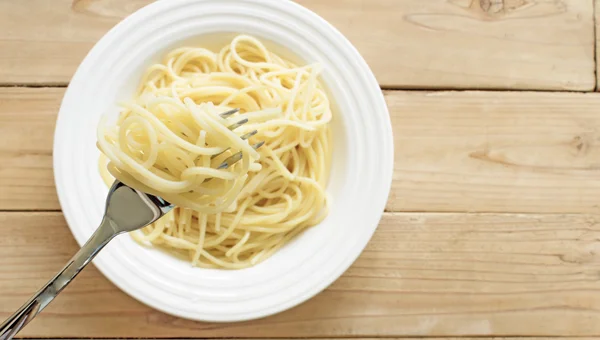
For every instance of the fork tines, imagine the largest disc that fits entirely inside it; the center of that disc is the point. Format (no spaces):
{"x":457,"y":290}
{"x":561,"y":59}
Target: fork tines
{"x":229,"y":161}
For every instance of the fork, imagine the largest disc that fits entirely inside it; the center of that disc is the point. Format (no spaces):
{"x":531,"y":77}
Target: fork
{"x":126,"y":210}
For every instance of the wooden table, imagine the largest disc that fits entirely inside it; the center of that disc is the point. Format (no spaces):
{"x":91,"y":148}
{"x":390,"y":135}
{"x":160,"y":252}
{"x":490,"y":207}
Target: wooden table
{"x":493,"y":224}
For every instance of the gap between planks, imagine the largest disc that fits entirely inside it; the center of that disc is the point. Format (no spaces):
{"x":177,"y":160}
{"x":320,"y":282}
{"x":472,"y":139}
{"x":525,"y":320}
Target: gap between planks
{"x":595,"y":48}
{"x":343,"y":338}
{"x":383,"y":88}
{"x":385,"y":212}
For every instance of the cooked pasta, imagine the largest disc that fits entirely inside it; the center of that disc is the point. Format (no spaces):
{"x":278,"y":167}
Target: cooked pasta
{"x":170,"y":140}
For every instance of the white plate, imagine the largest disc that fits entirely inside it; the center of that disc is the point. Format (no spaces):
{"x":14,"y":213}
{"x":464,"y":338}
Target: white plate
{"x":360,"y":178}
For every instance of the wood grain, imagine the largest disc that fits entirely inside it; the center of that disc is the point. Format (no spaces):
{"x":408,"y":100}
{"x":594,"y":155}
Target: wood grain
{"x":495,"y":152}
{"x":455,"y":151}
{"x":421,"y":275}
{"x":475,"y":44}
{"x":482,"y":44}
{"x":27,"y":117}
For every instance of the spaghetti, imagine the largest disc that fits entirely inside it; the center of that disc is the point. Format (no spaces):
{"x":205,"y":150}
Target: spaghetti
{"x":170,"y":140}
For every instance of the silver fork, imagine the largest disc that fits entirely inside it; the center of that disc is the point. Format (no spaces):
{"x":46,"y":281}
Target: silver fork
{"x":126,"y":210}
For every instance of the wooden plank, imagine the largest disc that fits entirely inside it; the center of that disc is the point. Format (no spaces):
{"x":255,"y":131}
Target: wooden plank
{"x":455,"y":151}
{"x":43,"y":42}
{"x":27,"y":117}
{"x":495,"y":152}
{"x":509,"y":44}
{"x":421,"y":275}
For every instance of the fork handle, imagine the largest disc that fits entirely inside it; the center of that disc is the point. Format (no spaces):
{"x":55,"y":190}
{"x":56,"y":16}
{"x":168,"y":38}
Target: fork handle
{"x":44,"y":296}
